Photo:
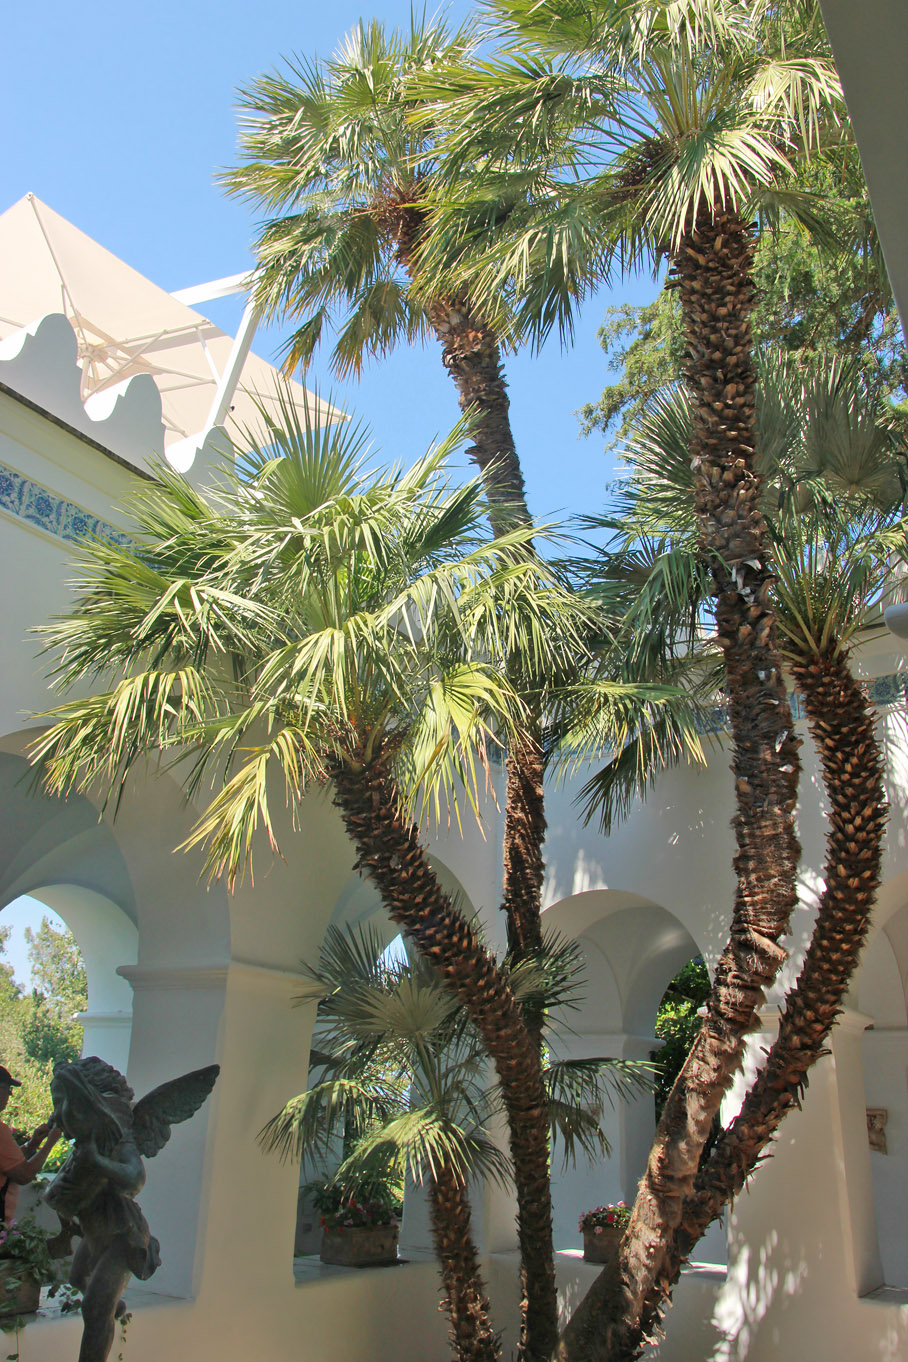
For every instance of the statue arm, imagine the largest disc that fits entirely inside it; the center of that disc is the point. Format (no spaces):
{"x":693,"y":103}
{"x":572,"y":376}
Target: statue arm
{"x":125,"y":1170}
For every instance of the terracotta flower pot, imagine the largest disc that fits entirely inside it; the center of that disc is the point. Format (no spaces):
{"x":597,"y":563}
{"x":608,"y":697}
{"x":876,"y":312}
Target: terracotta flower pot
{"x":19,"y":1291}
{"x":360,"y":1246}
{"x":601,"y":1247}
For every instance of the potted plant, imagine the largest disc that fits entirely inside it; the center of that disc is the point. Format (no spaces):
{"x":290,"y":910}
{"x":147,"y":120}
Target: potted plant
{"x":25,"y":1266}
{"x":602,"y":1229}
{"x":357,"y":1230}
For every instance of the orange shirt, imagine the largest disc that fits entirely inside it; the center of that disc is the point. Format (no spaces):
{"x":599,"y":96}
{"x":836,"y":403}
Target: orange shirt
{"x":10,"y":1155}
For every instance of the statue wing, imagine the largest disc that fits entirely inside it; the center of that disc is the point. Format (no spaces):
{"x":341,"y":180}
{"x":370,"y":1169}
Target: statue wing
{"x":167,"y":1105}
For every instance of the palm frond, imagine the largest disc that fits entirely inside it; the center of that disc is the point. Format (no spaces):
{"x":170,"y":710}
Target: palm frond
{"x":577,"y":1091}
{"x":424,"y":1142}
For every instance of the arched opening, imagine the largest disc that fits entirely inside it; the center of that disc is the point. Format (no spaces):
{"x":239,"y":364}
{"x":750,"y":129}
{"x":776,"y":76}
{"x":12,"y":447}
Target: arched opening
{"x":42,"y":997}
{"x":633,"y":949}
{"x":678,"y":1023}
{"x":116,"y":885}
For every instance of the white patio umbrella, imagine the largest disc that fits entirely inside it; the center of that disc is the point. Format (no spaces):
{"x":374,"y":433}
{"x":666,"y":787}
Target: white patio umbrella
{"x":126,"y":325}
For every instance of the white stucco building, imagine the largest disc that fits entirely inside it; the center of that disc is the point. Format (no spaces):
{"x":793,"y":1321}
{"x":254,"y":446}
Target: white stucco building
{"x":814,"y":1260}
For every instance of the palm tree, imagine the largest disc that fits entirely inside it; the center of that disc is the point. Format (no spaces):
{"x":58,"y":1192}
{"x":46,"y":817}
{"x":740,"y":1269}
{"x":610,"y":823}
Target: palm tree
{"x":403,"y":1080}
{"x":335,"y":156}
{"x":331,"y":152}
{"x":401,"y":1077}
{"x":690,"y":115}
{"x":308,"y":624}
{"x":834,"y":475}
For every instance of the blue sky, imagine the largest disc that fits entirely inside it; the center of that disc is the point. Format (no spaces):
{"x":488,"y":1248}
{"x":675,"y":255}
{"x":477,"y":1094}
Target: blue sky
{"x":118,"y":117}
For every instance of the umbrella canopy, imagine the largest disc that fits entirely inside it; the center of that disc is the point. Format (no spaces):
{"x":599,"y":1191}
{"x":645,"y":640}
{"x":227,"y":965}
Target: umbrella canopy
{"x":126,"y":325}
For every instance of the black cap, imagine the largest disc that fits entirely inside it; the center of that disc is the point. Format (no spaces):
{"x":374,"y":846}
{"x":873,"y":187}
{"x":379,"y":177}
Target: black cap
{"x":7,"y":1078}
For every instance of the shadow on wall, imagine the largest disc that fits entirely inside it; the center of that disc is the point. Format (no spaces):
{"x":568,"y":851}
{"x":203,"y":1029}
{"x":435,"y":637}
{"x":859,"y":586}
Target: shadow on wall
{"x":761,"y":1278}
{"x":773,"y":1298}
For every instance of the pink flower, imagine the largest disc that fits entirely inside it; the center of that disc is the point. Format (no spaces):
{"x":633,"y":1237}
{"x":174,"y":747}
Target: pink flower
{"x":597,"y":1230}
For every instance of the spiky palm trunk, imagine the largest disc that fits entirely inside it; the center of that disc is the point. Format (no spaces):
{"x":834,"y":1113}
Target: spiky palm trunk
{"x":841,"y":725}
{"x":472,"y":356}
{"x":465,"y":1302}
{"x":388,"y":850}
{"x":714,"y":274}
{"x":524,"y":867}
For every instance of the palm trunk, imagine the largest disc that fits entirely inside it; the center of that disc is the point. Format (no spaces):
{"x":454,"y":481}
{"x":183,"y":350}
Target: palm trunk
{"x":841,"y":725}
{"x":466,"y":1302}
{"x":471,"y":354}
{"x":389,"y":851}
{"x":714,"y":265}
{"x":524,"y":866}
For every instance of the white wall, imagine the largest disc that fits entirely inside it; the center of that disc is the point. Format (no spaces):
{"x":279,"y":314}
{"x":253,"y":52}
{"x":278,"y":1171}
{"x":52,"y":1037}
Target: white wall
{"x":211,"y":977}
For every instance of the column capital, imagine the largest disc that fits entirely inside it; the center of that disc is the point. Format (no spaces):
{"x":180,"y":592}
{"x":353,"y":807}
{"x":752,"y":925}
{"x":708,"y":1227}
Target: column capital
{"x":113,"y":1020}
{"x":237,"y":973}
{"x":608,"y":1044}
{"x":848,"y":1022}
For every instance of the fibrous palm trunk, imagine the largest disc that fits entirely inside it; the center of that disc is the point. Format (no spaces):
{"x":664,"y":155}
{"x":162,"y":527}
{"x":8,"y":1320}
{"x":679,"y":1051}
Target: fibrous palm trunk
{"x":389,"y":851}
{"x":472,"y":356}
{"x":466,"y":1302}
{"x":471,"y":353}
{"x":713,"y":266}
{"x":841,"y":725}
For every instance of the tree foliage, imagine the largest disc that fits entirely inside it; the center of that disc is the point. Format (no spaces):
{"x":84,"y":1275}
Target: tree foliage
{"x":38,"y":1027}
{"x":815,"y":300}
{"x":678,"y":1023}
{"x":58,"y":993}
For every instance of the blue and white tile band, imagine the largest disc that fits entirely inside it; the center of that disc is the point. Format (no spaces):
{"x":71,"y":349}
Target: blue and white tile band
{"x":39,"y":506}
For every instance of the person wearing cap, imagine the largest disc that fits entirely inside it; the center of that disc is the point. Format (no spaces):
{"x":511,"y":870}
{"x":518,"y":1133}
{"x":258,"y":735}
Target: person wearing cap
{"x":19,"y":1163}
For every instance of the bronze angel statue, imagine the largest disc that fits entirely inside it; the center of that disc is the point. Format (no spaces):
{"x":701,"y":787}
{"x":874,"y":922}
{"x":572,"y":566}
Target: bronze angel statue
{"x":94,"y":1192}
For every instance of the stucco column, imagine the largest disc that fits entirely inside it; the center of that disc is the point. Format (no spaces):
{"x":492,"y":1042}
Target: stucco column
{"x":628,"y":1126}
{"x":886,"y":1089}
{"x":107,"y":1035}
{"x":212,"y":1193}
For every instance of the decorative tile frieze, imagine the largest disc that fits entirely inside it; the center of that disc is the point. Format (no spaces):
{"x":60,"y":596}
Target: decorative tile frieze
{"x":881,"y":691}
{"x":38,"y":505}
{"x":41,"y":507}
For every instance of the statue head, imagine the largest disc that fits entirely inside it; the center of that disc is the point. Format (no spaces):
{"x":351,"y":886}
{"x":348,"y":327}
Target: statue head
{"x":92,"y":1101}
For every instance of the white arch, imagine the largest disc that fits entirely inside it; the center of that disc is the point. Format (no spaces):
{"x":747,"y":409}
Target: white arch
{"x":643,"y":946}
